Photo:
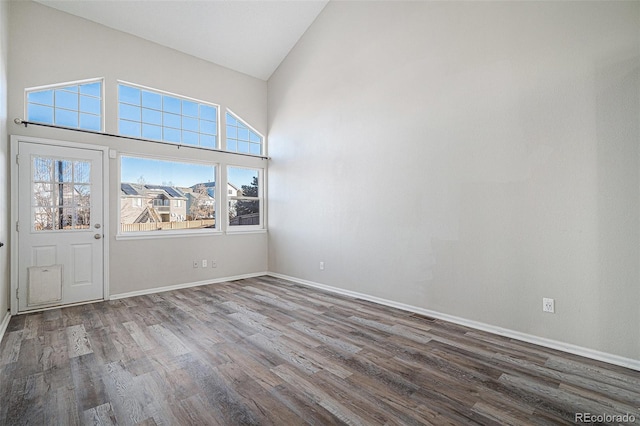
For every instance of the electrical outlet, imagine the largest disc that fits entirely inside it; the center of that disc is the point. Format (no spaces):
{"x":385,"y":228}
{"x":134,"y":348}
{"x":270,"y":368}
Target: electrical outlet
{"x":548,"y":305}
{"x":204,"y":263}
{"x":195,"y":263}
{"x":214,"y":264}
{"x":322,"y":266}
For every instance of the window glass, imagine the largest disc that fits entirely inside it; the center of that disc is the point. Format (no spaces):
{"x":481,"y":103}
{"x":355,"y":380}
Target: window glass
{"x":61,"y":194}
{"x":77,"y":105}
{"x":160,"y":195}
{"x":158,"y":116}
{"x":241,"y":138}
{"x":130,"y":95}
{"x":245,"y":197}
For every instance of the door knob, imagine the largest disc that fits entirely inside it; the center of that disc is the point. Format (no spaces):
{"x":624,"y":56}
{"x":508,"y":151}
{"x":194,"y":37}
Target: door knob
{"x":97,"y":236}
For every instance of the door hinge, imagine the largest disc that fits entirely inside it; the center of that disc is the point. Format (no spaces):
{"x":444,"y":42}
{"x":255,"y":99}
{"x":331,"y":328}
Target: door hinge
{"x":17,"y":226}
{"x":18,"y":159}
{"x":17,"y":293}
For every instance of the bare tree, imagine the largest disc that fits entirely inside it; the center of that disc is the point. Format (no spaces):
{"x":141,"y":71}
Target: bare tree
{"x":202,"y":204}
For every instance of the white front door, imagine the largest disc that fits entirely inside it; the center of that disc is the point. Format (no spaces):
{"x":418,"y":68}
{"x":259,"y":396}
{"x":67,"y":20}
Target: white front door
{"x":60,"y":225}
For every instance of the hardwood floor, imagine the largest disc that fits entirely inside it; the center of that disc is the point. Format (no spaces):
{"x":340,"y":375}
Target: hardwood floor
{"x":267,"y":351}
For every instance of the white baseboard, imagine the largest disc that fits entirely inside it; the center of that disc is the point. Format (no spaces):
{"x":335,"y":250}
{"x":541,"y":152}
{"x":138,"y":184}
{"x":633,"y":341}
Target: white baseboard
{"x":184,"y":285}
{"x":4,"y":324}
{"x":536,"y":340}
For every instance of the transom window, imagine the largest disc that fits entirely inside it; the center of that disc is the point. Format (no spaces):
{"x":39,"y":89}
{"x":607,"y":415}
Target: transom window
{"x":77,"y":105}
{"x":150,"y":114}
{"x":241,"y":138}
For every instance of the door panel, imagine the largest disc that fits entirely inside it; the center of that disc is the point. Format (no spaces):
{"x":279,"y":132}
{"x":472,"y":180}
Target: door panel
{"x":60,"y":212}
{"x":44,"y":255}
{"x":81,"y":261}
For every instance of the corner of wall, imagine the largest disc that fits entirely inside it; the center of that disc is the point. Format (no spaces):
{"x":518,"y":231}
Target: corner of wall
{"x":4,"y":324}
{"x":4,"y":174}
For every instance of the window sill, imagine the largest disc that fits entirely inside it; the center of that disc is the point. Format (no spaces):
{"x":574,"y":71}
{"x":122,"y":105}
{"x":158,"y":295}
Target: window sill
{"x":166,"y":234}
{"x":246,"y":231}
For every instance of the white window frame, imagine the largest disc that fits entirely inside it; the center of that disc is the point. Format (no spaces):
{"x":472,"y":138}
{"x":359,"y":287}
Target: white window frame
{"x":55,"y":86}
{"x":173,"y":233}
{"x":177,"y":96}
{"x":232,"y":229}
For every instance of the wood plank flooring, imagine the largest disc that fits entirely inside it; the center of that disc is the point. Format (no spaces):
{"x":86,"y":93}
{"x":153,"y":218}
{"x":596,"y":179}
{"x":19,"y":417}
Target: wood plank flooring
{"x":268,"y":351}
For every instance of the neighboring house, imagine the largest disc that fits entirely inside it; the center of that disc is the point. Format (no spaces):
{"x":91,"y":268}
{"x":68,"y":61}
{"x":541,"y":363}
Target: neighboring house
{"x":233,"y":191}
{"x":201,"y":199}
{"x":201,"y":202}
{"x":143,"y":203}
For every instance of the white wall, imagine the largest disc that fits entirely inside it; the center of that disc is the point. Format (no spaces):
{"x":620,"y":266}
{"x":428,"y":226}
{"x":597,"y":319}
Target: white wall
{"x":49,"y":46}
{"x":468,"y":158}
{"x":4,"y":147}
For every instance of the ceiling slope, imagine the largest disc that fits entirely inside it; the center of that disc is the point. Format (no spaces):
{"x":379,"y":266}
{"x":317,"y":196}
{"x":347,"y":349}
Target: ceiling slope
{"x":252,"y":37}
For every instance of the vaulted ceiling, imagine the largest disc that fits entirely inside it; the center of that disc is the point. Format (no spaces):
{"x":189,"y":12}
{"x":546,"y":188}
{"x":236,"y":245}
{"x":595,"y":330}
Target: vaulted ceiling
{"x":252,"y":37}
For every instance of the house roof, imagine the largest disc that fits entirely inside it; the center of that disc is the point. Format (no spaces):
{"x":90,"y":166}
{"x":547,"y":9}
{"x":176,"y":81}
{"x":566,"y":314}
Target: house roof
{"x":205,"y":184}
{"x":128,"y":189}
{"x":171,"y":190}
{"x":145,"y":190}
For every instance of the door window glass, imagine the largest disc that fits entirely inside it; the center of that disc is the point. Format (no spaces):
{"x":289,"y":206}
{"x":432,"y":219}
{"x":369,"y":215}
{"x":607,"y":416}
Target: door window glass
{"x":61,"y":194}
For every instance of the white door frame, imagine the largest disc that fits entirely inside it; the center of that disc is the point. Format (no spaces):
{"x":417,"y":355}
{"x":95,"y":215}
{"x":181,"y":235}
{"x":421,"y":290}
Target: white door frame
{"x":15,"y":140}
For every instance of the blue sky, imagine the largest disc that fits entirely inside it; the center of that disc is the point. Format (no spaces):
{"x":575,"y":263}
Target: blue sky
{"x":69,"y":106}
{"x":160,"y":172}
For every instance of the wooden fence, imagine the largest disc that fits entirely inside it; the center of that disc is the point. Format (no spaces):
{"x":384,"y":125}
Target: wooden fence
{"x":159,"y":226}
{"x":247,"y":219}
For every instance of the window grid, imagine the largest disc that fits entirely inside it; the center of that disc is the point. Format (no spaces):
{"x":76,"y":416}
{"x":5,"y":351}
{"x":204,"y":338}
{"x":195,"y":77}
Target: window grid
{"x":61,"y":194}
{"x":76,"y":105}
{"x":158,"y":116}
{"x":241,"y":138}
